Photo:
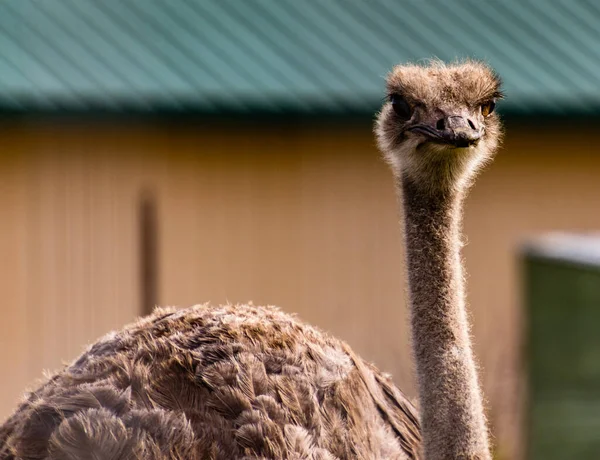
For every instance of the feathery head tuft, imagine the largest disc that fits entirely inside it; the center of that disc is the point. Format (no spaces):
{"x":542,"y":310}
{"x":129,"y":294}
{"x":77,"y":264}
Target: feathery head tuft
{"x":438,"y":125}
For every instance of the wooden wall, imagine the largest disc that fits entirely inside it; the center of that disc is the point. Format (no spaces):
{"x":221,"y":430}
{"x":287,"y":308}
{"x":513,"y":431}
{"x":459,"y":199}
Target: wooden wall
{"x":294,"y":215}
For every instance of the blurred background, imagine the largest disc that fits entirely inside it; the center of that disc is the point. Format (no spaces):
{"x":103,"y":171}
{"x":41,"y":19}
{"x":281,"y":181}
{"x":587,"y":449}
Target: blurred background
{"x":191,"y":151}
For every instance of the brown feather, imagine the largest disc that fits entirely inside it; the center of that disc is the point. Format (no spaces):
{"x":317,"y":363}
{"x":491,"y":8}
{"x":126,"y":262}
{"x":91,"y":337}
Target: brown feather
{"x":218,"y":383}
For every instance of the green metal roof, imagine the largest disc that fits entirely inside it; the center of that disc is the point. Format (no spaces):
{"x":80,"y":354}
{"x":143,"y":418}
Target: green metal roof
{"x":286,"y":55}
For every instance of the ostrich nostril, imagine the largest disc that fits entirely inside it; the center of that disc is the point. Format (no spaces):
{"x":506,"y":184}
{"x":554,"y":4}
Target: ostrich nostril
{"x":471,"y":124}
{"x":441,"y":124}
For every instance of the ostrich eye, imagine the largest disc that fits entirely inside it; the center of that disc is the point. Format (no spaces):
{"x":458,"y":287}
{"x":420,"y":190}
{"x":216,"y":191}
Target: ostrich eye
{"x":488,"y":107}
{"x":400,"y":106}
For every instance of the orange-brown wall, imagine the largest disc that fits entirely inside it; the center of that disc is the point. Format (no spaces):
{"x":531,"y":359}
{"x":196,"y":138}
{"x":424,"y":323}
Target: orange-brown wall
{"x":300,"y":216}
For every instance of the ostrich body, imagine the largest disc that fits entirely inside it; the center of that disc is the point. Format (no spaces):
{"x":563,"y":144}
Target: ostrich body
{"x":242,"y":381}
{"x":220,"y":383}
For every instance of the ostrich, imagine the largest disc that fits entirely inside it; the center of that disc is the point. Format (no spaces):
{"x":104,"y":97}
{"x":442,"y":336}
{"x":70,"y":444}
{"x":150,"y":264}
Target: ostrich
{"x":228,"y":382}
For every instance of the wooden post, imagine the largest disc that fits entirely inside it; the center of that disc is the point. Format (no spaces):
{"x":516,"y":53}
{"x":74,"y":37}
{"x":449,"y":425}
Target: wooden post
{"x":148,"y":228}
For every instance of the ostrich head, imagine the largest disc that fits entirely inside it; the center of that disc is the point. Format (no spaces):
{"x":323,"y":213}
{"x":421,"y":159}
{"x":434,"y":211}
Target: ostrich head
{"x":438,"y":124}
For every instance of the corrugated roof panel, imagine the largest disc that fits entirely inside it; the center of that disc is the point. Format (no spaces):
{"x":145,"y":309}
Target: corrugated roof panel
{"x":284,"y":55}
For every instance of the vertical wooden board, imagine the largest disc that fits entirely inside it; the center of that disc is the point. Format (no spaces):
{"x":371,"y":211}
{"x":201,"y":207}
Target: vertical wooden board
{"x":72,"y":248}
{"x":14,"y":335}
{"x":82,"y":241}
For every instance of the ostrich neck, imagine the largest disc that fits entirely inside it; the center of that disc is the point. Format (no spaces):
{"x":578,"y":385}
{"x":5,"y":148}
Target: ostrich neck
{"x":453,"y":421}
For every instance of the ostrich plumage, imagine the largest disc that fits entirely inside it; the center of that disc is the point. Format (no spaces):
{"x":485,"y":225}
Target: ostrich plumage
{"x":215,"y":383}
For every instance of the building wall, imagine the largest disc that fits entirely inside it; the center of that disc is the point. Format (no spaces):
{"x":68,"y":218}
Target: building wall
{"x":300,"y":216}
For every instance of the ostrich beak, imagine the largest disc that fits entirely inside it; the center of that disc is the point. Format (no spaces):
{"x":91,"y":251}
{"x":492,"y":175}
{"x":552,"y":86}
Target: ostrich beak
{"x":454,"y":130}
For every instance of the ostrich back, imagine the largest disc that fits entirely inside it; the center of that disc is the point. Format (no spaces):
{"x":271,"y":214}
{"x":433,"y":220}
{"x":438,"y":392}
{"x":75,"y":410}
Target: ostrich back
{"x":216,"y":383}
